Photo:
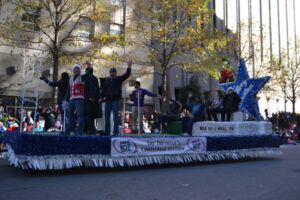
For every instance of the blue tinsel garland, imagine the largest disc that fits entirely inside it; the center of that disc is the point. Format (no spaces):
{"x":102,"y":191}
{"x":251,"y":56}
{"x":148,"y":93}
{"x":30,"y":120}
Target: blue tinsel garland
{"x":37,"y":145}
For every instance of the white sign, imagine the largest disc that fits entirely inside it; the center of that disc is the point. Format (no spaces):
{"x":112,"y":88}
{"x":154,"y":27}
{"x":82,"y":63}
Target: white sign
{"x":136,"y":146}
{"x":232,"y":128}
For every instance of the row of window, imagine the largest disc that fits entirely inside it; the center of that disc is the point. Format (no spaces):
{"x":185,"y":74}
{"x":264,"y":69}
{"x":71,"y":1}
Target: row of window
{"x":84,"y":30}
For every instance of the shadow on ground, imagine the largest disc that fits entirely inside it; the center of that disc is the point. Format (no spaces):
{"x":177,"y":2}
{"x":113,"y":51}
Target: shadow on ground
{"x":91,"y":170}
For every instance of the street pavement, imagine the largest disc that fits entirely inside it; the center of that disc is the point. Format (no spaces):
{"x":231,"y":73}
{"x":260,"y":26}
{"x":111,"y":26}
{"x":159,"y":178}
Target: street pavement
{"x":259,"y":179}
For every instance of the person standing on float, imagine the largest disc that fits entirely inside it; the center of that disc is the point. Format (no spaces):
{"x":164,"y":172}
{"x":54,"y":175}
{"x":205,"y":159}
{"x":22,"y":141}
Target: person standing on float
{"x":62,"y":85}
{"x":111,"y":94}
{"x":138,"y":96}
{"x":75,"y":95}
{"x":91,"y":94}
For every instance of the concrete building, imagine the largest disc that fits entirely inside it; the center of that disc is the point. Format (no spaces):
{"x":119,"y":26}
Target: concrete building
{"x":12,"y":58}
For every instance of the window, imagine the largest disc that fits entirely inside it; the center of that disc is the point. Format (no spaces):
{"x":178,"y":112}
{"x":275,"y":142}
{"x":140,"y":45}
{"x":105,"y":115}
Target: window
{"x":85,"y":29}
{"x":83,"y":32}
{"x":116,"y":29}
{"x":117,"y":2}
{"x":117,"y":15}
{"x":30,"y":17}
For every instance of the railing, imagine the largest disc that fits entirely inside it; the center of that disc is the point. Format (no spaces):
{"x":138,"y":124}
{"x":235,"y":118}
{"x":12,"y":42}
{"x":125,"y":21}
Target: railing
{"x":15,"y":108}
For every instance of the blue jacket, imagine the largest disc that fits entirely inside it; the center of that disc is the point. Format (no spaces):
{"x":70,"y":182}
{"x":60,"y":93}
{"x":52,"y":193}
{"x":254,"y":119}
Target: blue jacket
{"x":198,"y":109}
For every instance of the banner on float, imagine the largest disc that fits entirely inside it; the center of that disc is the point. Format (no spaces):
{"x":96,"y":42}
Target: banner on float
{"x":128,"y":146}
{"x":232,"y":128}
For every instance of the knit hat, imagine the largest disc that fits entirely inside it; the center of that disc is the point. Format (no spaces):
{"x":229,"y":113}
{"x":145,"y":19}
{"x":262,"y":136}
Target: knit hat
{"x":76,"y":66}
{"x":113,"y":70}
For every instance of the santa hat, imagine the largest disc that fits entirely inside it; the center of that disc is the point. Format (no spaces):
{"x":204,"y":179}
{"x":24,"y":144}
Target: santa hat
{"x":230,"y":88}
{"x":75,"y":66}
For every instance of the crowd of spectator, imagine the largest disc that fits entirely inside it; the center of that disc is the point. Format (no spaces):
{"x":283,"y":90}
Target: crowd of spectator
{"x":287,"y":125}
{"x":46,"y":120}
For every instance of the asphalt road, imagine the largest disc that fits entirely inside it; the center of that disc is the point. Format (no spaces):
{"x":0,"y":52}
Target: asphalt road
{"x":261,"y":179}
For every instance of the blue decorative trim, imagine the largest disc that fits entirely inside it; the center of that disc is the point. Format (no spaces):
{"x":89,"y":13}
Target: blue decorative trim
{"x":33,"y":144}
{"x":38,"y":145}
{"x":219,"y":143}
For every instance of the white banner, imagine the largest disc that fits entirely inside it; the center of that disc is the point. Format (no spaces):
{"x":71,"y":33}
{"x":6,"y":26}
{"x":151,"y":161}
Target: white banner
{"x":232,"y":128}
{"x":136,"y":146}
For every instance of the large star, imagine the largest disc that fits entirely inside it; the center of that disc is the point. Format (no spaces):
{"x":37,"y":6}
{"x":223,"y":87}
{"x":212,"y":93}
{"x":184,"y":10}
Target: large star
{"x":247,"y":88}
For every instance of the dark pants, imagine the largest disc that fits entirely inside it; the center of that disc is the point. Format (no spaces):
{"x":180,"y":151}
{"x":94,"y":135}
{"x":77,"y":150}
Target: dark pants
{"x":228,"y":111}
{"x":164,"y":119}
{"x":209,"y":113}
{"x":78,"y":105}
{"x":112,"y":106}
{"x":62,"y":111}
{"x":187,"y":124}
{"x":214,"y":113}
{"x":89,"y":110}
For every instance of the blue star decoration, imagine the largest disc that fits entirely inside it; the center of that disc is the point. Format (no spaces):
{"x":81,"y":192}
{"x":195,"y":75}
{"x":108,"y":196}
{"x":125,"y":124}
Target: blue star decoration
{"x":247,"y":88}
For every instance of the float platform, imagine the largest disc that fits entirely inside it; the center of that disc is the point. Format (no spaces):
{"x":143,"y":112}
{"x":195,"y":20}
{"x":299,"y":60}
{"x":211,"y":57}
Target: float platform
{"x":55,"y":152}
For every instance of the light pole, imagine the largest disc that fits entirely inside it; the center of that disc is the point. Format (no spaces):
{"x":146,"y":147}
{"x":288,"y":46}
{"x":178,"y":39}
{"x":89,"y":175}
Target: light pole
{"x":268,"y":99}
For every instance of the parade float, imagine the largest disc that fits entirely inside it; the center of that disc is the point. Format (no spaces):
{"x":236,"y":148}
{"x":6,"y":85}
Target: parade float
{"x":210,"y":141}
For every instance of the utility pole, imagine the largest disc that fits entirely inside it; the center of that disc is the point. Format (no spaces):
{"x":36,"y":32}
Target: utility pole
{"x":270,"y":33}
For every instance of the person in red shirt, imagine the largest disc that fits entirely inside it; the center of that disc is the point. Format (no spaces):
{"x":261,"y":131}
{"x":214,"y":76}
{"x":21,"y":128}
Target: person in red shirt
{"x":75,"y":96}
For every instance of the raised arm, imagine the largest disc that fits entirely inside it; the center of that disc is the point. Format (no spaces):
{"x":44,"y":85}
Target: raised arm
{"x":52,"y":84}
{"x":128,"y":71}
{"x":85,"y":76}
{"x":89,"y":71}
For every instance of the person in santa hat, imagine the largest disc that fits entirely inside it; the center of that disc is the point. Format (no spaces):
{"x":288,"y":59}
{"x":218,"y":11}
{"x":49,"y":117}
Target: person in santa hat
{"x":74,"y":98}
{"x":230,"y":104}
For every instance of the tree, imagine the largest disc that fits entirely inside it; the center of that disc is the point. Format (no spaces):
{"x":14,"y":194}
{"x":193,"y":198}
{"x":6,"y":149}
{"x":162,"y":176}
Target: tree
{"x":177,"y":33}
{"x":250,"y":46}
{"x":287,"y":74}
{"x":62,"y":29}
{"x":30,"y":70}
{"x":27,"y":76}
{"x":193,"y":87}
